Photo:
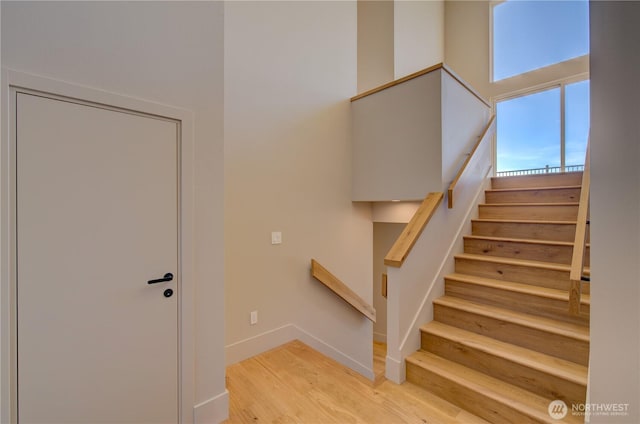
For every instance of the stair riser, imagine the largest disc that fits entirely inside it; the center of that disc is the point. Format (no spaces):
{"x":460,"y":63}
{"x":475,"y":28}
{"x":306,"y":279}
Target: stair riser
{"x":541,"y":277}
{"x":534,"y":196}
{"x":519,"y":302}
{"x":560,"y":254}
{"x":466,"y":398}
{"x":515,"y":273}
{"x":548,"y":180}
{"x":529,"y":212}
{"x":539,"y":382}
{"x":552,"y":232}
{"x":531,"y":338}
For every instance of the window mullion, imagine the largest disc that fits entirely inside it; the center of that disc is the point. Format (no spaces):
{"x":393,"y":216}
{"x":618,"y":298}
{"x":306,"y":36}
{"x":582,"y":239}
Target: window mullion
{"x":562,"y":128}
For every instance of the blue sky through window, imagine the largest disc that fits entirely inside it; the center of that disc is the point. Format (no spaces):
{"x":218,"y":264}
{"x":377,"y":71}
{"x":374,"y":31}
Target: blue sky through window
{"x":529,"y":131}
{"x":531,"y":34}
{"x":527,"y":35}
{"x":576,"y":122}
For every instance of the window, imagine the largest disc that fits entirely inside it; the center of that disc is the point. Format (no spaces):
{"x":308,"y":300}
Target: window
{"x":532,"y":34}
{"x":534,"y":135}
{"x":577,"y":122}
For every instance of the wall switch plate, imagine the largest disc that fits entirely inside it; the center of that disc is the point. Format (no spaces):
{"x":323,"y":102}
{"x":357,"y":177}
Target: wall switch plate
{"x":276,"y":237}
{"x":254,"y":317}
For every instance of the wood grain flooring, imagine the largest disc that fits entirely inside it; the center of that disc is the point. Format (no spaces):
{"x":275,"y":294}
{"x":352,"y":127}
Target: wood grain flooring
{"x":296,"y":384}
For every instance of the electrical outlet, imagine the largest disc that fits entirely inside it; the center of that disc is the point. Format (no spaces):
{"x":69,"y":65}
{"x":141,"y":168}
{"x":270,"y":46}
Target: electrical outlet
{"x":276,"y":237}
{"x":254,"y":317}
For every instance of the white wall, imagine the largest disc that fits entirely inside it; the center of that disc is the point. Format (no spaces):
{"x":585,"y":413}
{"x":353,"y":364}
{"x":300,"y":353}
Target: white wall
{"x":418,"y":35}
{"x":166,"y":52}
{"x":385,"y":235}
{"x":394,"y":212}
{"x":464,"y":116}
{"x":375,"y":43}
{"x":615,"y":208}
{"x":290,"y":68}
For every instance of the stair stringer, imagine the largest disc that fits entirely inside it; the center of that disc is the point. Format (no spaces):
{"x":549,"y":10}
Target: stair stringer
{"x":412,"y":288}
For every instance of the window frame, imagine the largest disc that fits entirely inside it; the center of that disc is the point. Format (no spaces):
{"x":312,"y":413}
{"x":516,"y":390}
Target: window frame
{"x":559,"y":83}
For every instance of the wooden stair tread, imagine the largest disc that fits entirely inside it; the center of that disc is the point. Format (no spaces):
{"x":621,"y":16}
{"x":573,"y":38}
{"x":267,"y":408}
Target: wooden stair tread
{"x":522,"y":221}
{"x":520,"y":240}
{"x":511,"y":189}
{"x":514,"y":261}
{"x":529,"y":204}
{"x":524,"y":401}
{"x":561,"y":368}
{"x":565,"y":329}
{"x":516,"y":287}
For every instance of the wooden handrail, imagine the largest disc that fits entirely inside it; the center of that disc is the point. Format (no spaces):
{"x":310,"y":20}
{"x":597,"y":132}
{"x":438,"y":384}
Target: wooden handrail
{"x":413,"y":229}
{"x":488,"y":130}
{"x":321,"y":274}
{"x":419,"y":74}
{"x":579,"y":244}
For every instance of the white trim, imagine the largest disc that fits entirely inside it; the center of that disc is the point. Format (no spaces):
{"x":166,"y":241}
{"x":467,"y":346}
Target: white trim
{"x":395,"y":370}
{"x":12,"y":80}
{"x":334,"y":353}
{"x":563,"y":136}
{"x":243,"y":349}
{"x":379,"y":337}
{"x":255,"y":345}
{"x":214,"y":410}
{"x":540,"y":87}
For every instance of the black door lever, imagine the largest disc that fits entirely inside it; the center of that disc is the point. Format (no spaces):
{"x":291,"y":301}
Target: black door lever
{"x":167,"y":277}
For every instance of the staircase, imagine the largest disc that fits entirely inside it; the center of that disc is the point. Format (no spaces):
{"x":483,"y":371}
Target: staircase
{"x":503,"y":344}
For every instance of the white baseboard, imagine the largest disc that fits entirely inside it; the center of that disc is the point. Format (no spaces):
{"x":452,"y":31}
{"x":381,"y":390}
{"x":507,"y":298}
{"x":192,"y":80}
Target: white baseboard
{"x":212,"y":411}
{"x":245,"y":349}
{"x":256,"y":345}
{"x":334,"y":353}
{"x":379,"y":337}
{"x":395,"y":370}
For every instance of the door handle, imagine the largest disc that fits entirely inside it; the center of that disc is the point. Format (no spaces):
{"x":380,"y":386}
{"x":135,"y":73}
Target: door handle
{"x":167,"y":277}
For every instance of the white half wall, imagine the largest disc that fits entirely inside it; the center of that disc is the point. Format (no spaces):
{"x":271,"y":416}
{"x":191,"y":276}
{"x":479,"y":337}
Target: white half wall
{"x":413,"y":287}
{"x":464,"y":116}
{"x":397,"y":145}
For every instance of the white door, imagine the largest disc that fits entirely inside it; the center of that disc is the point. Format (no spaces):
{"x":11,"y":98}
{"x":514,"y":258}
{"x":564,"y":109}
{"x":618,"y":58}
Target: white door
{"x":97,"y":218}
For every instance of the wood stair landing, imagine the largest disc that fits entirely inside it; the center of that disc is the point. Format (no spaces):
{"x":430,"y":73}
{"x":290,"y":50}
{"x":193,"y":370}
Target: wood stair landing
{"x":503,"y":344}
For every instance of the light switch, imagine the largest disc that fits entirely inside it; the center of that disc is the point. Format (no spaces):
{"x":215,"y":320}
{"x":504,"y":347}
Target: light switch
{"x":276,"y":237}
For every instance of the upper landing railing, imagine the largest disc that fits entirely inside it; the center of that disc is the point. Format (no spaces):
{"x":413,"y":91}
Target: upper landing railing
{"x":546,"y":170}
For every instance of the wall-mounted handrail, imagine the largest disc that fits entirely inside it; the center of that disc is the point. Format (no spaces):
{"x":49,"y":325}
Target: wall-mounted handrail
{"x":401,"y":248}
{"x":419,"y":74}
{"x":486,"y":135}
{"x":321,"y":274}
{"x":579,"y":244}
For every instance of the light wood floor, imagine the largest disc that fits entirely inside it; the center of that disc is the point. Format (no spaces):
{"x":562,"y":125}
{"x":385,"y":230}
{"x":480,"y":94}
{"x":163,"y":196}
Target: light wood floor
{"x":296,"y":384}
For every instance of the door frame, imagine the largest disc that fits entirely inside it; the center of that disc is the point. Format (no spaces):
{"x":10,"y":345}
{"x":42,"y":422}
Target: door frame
{"x":14,"y":82}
